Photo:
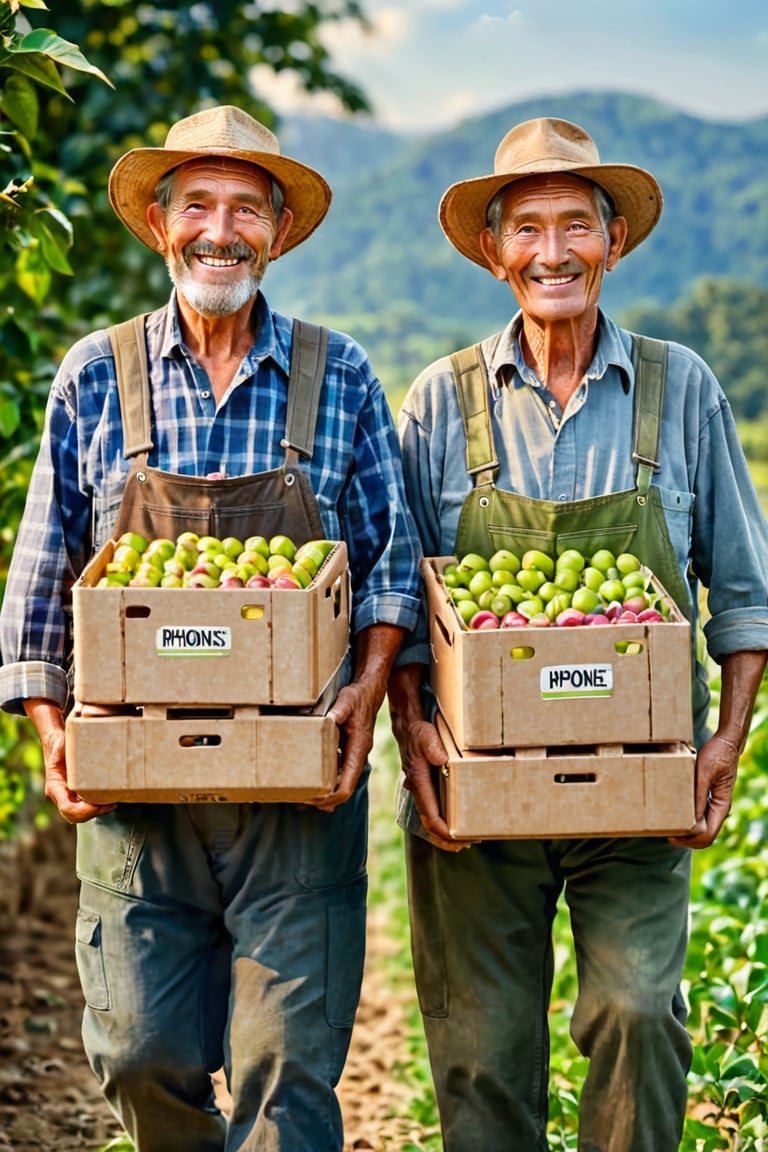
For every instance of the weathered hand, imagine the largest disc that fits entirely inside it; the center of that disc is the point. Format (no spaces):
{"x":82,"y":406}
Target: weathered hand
{"x":421,"y":752}
{"x":354,"y":711}
{"x":70,"y":806}
{"x":716,"y":767}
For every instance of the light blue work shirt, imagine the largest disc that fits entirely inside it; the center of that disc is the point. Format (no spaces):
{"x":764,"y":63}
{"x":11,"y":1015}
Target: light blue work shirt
{"x":715,"y":521}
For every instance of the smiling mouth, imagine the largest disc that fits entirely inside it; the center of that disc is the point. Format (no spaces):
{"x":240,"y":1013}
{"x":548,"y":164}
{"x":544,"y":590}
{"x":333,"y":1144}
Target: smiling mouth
{"x":218,"y":261}
{"x":555,"y":281}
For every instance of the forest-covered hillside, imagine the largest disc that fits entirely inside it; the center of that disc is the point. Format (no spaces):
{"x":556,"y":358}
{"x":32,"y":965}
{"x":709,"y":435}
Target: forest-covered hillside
{"x":381,"y":267}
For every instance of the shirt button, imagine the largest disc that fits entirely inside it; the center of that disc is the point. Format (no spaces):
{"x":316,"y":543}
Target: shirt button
{"x":562,"y":497}
{"x":205,"y":395}
{"x":552,"y":403}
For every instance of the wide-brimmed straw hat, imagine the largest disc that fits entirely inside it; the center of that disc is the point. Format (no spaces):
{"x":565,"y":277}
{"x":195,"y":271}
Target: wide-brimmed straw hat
{"x":223,"y":131}
{"x":538,"y":147}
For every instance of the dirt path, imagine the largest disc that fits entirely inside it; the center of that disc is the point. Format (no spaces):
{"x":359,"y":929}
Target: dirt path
{"x":49,"y":1101}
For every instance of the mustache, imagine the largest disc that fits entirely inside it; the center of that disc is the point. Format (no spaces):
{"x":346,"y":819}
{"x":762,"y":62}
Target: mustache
{"x":236,"y":251}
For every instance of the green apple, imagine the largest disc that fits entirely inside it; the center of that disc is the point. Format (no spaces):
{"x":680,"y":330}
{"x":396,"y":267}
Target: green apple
{"x":504,"y":559}
{"x":535,"y":558}
{"x":460,"y":593}
{"x":547,"y":590}
{"x":603,"y":559}
{"x":634,"y":579}
{"x":480,"y":582}
{"x":282,"y":546}
{"x":585,"y":600}
{"x":503,"y":576}
{"x":500,"y":604}
{"x":467,"y":609}
{"x":232,"y":547}
{"x":257,"y":560}
{"x":627,"y":562}
{"x":567,"y":579}
{"x":486,"y":598}
{"x":278,"y":560}
{"x":592,"y":578}
{"x":530,"y":607}
{"x":187,"y":540}
{"x":257,"y":544}
{"x":557,"y":605}
{"x":161,"y":547}
{"x":126,"y":556}
{"x":531,"y":579}
{"x":473,"y":562}
{"x":301,"y":575}
{"x":571,"y":558}
{"x":133,"y":540}
{"x":209,"y":544}
{"x":611,"y":590}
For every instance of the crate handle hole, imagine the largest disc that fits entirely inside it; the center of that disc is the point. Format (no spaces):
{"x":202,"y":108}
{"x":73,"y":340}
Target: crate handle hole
{"x":575,"y":778}
{"x":252,"y":611}
{"x":199,"y":741}
{"x":137,"y":611}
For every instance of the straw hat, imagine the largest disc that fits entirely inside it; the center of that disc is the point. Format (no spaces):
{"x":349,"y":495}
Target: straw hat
{"x":536,"y":148}
{"x":222,"y":131}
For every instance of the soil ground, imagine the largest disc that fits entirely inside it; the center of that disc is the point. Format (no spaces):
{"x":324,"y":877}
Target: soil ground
{"x":49,"y":1100}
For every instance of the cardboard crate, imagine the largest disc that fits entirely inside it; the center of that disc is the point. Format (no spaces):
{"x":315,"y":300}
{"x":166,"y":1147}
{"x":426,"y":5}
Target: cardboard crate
{"x":606,"y":790}
{"x":185,"y":756}
{"x":209,"y":646}
{"x":573,"y":687}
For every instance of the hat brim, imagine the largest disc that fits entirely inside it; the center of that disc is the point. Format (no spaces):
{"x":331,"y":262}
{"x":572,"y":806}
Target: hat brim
{"x":635,"y":193}
{"x":135,"y":176}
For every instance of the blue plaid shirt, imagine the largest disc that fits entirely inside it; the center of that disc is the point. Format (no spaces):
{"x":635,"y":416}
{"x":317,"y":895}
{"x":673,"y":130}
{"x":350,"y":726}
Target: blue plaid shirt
{"x":78,"y":480}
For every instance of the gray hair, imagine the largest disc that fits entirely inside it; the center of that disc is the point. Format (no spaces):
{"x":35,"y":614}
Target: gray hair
{"x":606,"y":209}
{"x":164,"y":192}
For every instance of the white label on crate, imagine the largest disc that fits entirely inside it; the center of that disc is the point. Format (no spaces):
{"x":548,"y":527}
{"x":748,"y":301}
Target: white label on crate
{"x":189,"y":641}
{"x":562,"y":681}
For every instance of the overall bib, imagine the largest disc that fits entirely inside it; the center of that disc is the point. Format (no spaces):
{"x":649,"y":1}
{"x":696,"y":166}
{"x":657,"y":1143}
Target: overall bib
{"x":482,"y":918}
{"x":226,"y":935}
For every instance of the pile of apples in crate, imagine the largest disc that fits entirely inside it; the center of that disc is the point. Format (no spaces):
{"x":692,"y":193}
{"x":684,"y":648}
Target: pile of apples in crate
{"x":193,"y":561}
{"x":539,"y":590}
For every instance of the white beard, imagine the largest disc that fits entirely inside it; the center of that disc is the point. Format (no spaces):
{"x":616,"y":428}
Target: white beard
{"x":214,"y":300}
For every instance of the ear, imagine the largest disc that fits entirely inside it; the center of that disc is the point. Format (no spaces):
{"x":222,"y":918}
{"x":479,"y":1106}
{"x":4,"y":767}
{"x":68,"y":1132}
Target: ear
{"x":617,"y":236}
{"x":491,"y":253}
{"x":283,"y":228}
{"x":156,"y":221}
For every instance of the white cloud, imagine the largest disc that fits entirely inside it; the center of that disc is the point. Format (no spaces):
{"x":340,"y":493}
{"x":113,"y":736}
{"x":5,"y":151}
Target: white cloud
{"x":431,"y":63}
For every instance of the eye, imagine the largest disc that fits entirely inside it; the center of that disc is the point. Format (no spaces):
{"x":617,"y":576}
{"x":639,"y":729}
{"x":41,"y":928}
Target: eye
{"x":578,"y":226}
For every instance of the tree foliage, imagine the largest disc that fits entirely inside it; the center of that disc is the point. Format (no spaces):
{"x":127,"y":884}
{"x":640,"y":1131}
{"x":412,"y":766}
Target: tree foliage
{"x":114,"y":75}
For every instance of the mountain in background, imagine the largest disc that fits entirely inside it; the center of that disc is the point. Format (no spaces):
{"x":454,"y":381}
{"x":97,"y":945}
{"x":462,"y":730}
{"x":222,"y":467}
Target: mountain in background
{"x":381,"y":267}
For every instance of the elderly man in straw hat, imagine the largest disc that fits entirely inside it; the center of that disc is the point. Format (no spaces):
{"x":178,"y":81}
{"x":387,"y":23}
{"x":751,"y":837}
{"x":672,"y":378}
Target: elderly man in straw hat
{"x":550,"y":410}
{"x":218,"y":934}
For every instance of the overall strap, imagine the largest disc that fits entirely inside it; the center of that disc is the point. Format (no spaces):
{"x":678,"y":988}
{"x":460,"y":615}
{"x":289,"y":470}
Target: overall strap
{"x":471,"y":378}
{"x":649,"y":358}
{"x":130,"y":352}
{"x":310,"y":345}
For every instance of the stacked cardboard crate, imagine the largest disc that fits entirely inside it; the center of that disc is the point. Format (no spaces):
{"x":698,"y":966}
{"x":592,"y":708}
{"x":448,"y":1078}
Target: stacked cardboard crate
{"x":206,"y":695}
{"x":562,"y":731}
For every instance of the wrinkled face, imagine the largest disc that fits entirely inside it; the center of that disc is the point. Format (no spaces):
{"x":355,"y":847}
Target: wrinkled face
{"x":218,"y":233}
{"x":552,"y":247}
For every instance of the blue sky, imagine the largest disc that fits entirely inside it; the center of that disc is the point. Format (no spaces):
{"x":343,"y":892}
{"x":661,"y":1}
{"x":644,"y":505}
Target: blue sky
{"x":431,"y":63}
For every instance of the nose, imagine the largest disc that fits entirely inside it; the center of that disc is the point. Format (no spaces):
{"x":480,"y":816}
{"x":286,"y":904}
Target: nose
{"x":554,"y":247}
{"x":221,"y":226}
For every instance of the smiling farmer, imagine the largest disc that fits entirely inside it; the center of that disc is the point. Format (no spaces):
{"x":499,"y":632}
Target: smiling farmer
{"x":552,"y":424}
{"x":215,"y":934}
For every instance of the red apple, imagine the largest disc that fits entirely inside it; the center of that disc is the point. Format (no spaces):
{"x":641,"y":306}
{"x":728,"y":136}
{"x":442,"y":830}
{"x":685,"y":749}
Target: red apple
{"x":514,"y":619}
{"x":569,"y":618}
{"x":258,"y":581}
{"x":483,"y":621}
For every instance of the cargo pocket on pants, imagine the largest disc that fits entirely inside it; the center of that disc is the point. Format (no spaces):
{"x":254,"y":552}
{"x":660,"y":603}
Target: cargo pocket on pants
{"x":90,"y":962}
